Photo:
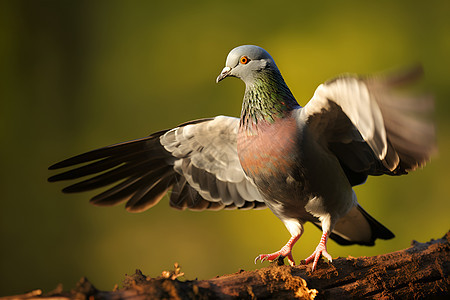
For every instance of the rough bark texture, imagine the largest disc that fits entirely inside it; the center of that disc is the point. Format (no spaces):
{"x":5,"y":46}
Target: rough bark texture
{"x":419,"y":272}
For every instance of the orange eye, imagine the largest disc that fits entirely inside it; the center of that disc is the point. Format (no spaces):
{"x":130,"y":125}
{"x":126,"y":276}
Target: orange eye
{"x":244,"y":60}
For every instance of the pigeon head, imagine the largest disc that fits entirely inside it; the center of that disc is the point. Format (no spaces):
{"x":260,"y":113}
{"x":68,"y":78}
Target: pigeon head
{"x":247,"y":62}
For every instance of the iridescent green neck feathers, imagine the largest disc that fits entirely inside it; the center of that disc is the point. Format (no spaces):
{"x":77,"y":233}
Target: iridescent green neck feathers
{"x":266,"y":99}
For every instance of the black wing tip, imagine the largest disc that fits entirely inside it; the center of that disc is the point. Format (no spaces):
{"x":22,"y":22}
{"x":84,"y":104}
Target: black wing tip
{"x":59,"y":177}
{"x":71,"y":189}
{"x":53,"y":167}
{"x":59,"y":165}
{"x":384,"y":234}
{"x":53,"y":178}
{"x":63,"y":164}
{"x":80,"y":159}
{"x":379,"y":231}
{"x":103,"y":152}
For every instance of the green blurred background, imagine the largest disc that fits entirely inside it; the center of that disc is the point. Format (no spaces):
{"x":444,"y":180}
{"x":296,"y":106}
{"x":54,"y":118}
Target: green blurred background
{"x":77,"y":75}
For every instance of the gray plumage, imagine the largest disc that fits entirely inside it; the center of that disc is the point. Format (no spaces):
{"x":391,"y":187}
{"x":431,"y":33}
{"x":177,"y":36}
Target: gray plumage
{"x":300,"y":162}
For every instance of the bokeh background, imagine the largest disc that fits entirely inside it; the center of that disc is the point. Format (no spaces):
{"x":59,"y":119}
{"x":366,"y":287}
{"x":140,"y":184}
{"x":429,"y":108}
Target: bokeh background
{"x":78,"y":75}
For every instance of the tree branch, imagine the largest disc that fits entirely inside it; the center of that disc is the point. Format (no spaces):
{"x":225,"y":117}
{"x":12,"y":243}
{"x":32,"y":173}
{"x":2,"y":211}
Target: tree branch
{"x":421,"y":271}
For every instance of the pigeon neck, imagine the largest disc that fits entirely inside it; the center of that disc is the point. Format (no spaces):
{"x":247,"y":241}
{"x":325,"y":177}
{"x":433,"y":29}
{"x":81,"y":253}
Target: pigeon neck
{"x":266,"y":99}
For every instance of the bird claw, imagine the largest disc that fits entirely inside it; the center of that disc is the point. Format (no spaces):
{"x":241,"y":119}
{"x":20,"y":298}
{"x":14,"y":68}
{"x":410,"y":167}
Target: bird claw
{"x":260,"y":257}
{"x":321,"y":250}
{"x":283,"y":252}
{"x":274,"y":256}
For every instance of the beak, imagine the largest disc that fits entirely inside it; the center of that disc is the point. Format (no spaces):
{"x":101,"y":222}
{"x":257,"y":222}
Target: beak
{"x":225,"y":72}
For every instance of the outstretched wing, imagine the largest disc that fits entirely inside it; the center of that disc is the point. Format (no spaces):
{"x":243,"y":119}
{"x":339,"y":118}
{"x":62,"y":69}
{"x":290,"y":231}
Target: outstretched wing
{"x":374,"y":125}
{"x":198,"y":160}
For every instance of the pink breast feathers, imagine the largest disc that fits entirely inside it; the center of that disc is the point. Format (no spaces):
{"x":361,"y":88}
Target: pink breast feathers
{"x":270,"y":149}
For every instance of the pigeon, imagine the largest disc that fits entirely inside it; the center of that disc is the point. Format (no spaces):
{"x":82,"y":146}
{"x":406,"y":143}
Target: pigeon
{"x":300,"y":162}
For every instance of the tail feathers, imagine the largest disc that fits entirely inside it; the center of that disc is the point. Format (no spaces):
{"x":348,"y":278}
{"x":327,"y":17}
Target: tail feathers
{"x":358,"y":227}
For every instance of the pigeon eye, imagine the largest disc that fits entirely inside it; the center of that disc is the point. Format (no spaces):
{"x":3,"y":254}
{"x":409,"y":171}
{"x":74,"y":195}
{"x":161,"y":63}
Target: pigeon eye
{"x":244,"y":60}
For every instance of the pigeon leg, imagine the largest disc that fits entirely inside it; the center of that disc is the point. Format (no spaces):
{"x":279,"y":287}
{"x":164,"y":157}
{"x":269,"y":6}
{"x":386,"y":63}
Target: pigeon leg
{"x":285,"y":251}
{"x":321,"y":249}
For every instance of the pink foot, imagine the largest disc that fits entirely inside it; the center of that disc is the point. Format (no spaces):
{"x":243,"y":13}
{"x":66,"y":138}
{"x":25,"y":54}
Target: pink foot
{"x":284,"y":252}
{"x":272,"y":256}
{"x":321,"y":249}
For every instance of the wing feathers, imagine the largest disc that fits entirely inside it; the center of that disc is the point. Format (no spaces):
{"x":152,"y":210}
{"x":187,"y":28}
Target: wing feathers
{"x":197,"y":159}
{"x":120,"y":192}
{"x":371,"y":125}
{"x":151,"y":194}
